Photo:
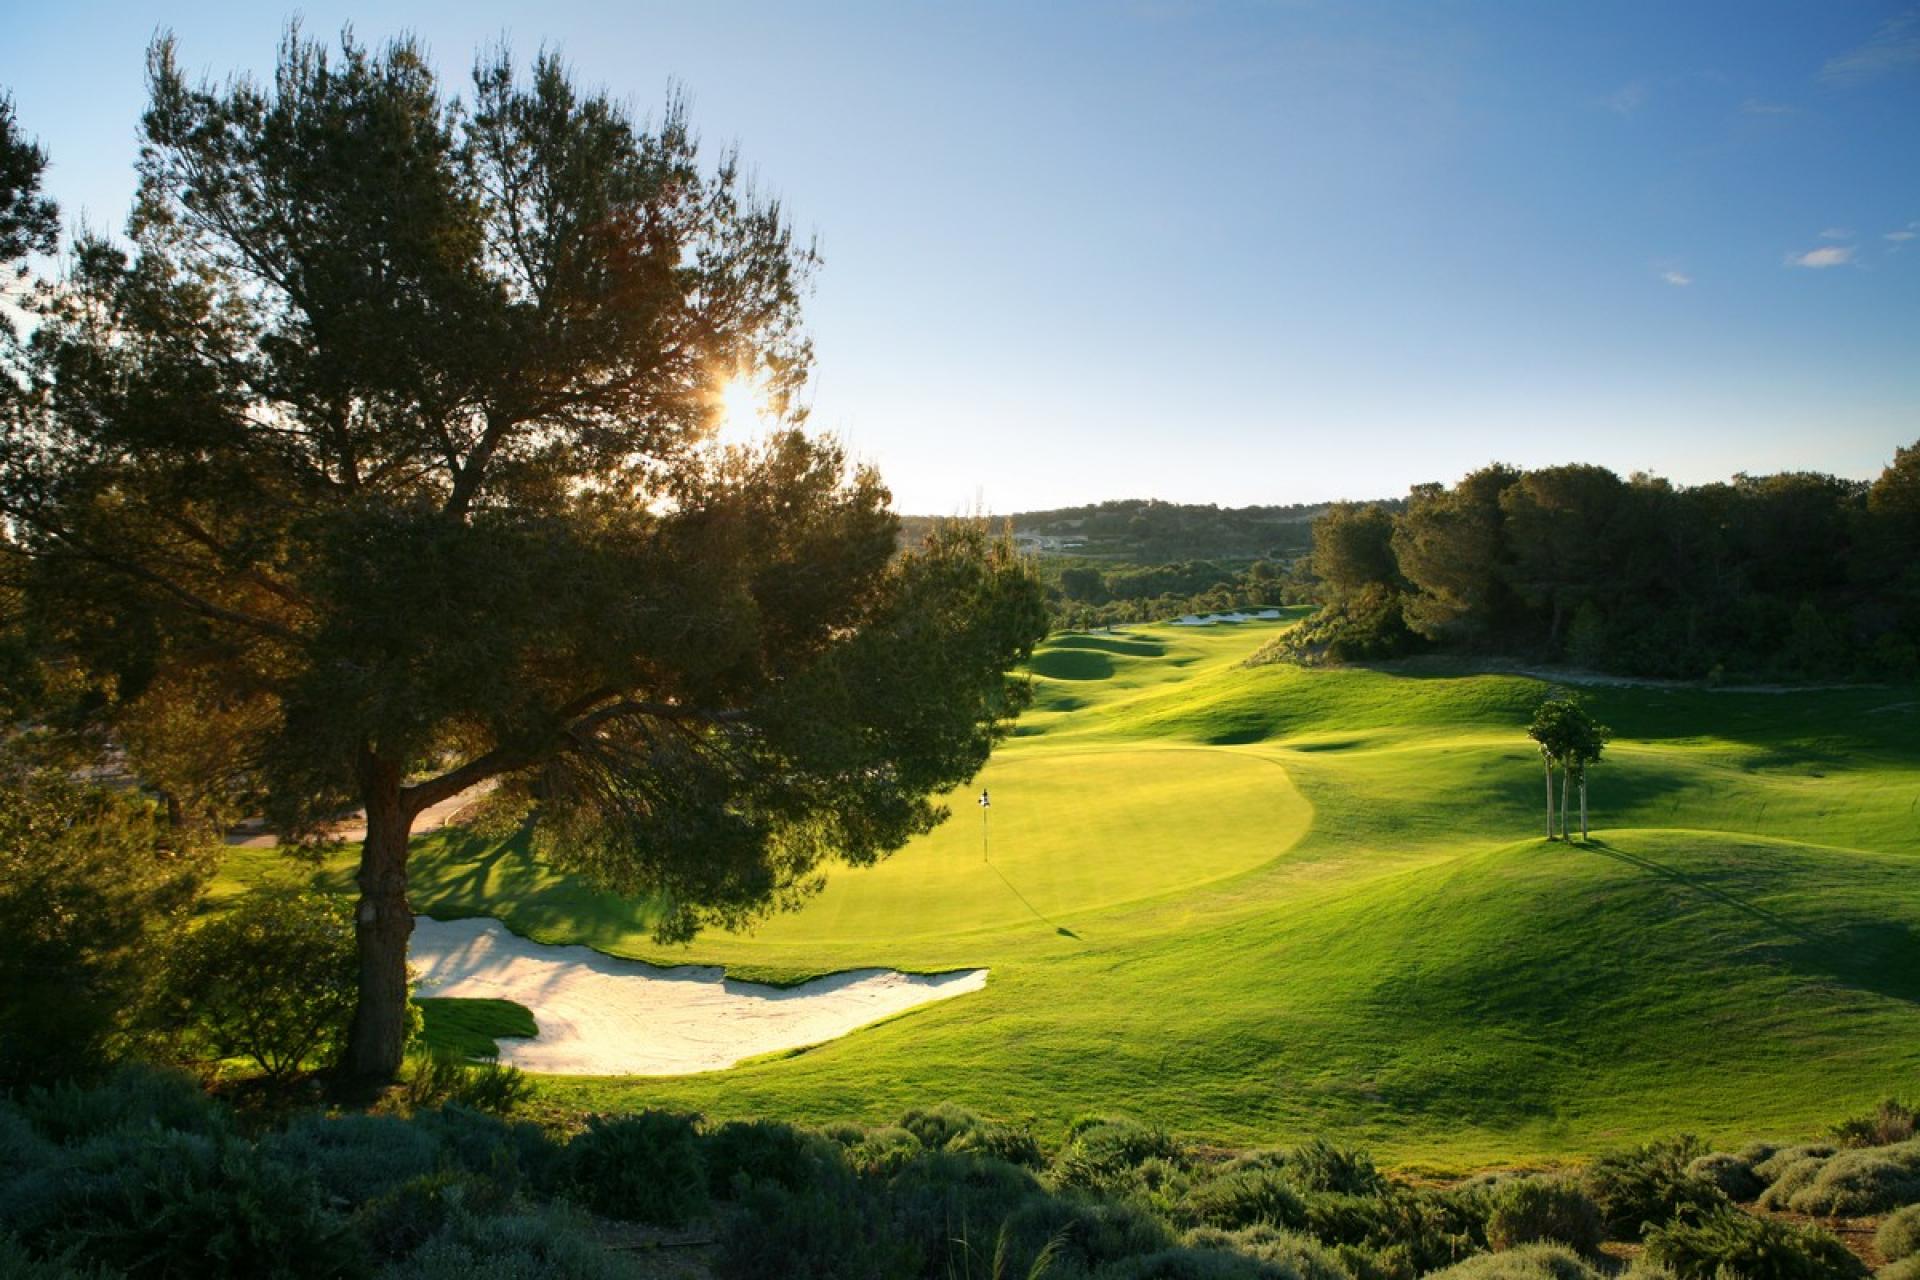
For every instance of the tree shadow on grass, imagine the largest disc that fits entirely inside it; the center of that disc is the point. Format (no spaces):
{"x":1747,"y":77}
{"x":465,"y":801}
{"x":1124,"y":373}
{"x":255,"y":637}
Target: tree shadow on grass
{"x":1878,"y":956}
{"x":1701,"y":886}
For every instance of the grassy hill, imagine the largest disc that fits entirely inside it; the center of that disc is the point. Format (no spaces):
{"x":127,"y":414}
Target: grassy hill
{"x":1259,"y":903}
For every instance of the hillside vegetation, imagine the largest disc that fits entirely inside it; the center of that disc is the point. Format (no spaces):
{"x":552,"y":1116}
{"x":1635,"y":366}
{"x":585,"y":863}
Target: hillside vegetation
{"x":1258,"y":903}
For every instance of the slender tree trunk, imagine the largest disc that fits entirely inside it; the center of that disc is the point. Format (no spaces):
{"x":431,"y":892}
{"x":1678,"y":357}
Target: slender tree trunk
{"x":1547,"y":761}
{"x":1563,"y":801}
{"x":1583,"y":806}
{"x":382,"y":924}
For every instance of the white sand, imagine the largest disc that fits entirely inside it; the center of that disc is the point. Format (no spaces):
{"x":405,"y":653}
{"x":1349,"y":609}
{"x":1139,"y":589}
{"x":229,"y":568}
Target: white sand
{"x":599,"y":1015}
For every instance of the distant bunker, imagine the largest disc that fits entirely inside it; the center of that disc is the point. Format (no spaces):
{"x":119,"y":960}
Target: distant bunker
{"x":604,"y":1016}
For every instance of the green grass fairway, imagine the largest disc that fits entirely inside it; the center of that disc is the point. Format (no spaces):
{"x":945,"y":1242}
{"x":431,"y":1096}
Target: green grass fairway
{"x":468,"y":1027}
{"x":1258,"y":903}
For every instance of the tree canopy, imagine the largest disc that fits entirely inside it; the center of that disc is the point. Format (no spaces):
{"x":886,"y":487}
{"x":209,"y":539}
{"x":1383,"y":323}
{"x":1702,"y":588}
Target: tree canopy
{"x":378,"y":468}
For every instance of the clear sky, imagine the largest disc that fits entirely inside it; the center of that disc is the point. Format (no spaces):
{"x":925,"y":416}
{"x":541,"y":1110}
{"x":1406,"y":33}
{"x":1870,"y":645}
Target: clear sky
{"x":1243,"y":252}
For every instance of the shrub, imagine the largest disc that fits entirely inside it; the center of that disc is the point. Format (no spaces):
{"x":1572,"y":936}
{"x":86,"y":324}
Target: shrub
{"x":1245,"y":1198}
{"x":164,"y":1203}
{"x":1907,"y":1268}
{"x":91,"y":882}
{"x":417,"y":1211}
{"x":884,"y":1151}
{"x":1727,"y":1242}
{"x":644,"y":1166}
{"x":1899,"y":1236}
{"x":1083,"y":1234}
{"x":747,"y":1153}
{"x":549,"y":1244}
{"x":1733,"y":1174}
{"x":1298,"y":1257}
{"x":135,"y":1096}
{"x":511,"y":1152}
{"x":353,"y":1158}
{"x":1102,"y":1151}
{"x":1890,"y":1122}
{"x":16,"y":1263}
{"x":947,"y":1201}
{"x":1320,"y":1166}
{"x":1398,"y":1231}
{"x":1851,"y":1183}
{"x":1770,"y":1169}
{"x":436,"y":1077}
{"x":274,"y":980}
{"x":938,"y":1127}
{"x":827,"y":1231}
{"x":1181,"y":1263}
{"x":1540,"y":1211}
{"x":1650,"y":1184}
{"x":494,"y":1087}
{"x":1003,"y":1142}
{"x":1530,"y":1262}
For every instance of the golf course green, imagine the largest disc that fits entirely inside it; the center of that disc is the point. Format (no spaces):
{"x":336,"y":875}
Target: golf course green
{"x":1253,"y":903}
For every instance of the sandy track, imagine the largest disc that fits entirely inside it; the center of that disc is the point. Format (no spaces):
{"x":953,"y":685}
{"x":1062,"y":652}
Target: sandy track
{"x":599,"y":1015}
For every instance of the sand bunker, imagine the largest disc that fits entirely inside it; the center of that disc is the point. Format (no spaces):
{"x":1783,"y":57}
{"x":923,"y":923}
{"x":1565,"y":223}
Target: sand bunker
{"x":599,"y":1015}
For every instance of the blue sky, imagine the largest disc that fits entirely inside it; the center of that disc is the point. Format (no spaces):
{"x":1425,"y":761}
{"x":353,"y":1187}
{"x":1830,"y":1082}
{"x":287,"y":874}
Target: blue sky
{"x":1245,"y":252}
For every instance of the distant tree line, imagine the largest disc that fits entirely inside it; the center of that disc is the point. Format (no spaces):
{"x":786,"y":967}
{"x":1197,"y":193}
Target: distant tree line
{"x":1794,"y":575}
{"x":1148,"y":531}
{"x":1085,"y":594}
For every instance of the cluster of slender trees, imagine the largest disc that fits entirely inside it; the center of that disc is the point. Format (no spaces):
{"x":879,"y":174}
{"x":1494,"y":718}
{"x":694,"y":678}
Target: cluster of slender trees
{"x":1798,"y":574}
{"x":1570,"y":741}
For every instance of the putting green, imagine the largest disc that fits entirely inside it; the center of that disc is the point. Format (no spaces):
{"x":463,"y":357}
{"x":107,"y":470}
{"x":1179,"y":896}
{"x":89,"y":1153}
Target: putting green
{"x":1066,"y":834}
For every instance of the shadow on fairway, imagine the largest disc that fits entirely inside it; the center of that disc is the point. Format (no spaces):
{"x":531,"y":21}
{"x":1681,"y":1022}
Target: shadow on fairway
{"x":1702,"y":887}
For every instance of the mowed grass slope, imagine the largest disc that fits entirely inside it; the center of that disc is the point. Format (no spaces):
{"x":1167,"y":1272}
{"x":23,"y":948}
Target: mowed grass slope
{"x":1258,"y":903}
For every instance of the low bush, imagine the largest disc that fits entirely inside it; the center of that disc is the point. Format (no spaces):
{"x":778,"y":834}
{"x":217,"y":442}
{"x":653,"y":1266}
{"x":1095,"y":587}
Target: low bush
{"x":937,"y":1127}
{"x":644,"y":1167}
{"x":167,"y":1203}
{"x":1899,"y":1236}
{"x":1544,"y":1211}
{"x":1890,"y":1122}
{"x":1182,"y":1263}
{"x":745,"y":1153}
{"x":1102,"y":1152}
{"x":1906,"y":1269}
{"x":1733,"y":1174}
{"x":352,"y":1159}
{"x":1770,"y":1168}
{"x":513,"y":1153}
{"x":1003,"y":1142}
{"x":549,"y":1244}
{"x":883,"y":1151}
{"x":1294,"y":1255}
{"x":834,"y":1229}
{"x":1727,"y":1242}
{"x":1851,"y":1183}
{"x":1649,"y":1185}
{"x":135,"y":1096}
{"x":1245,"y":1198}
{"x":1084,"y":1234}
{"x":1319,"y":1165}
{"x":1530,"y":1262}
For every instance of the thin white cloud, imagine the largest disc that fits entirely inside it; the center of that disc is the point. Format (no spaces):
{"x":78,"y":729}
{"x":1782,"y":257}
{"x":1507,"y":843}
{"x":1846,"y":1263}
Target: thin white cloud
{"x":1906,"y":233}
{"x":1680,"y":278}
{"x":1755,"y":107}
{"x":1894,"y":48}
{"x":1837,"y":255}
{"x":1836,"y":233}
{"x":1627,"y":99}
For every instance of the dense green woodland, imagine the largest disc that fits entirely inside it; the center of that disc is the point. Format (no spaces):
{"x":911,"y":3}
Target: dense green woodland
{"x":1796,"y":575}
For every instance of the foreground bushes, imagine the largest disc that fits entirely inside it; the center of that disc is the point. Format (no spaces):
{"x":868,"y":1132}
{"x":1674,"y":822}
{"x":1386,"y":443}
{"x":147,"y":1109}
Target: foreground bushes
{"x":143,"y":1175}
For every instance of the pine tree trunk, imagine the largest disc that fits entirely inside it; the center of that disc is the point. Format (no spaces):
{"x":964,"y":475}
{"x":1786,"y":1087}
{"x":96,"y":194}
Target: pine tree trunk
{"x":1563,"y":802}
{"x":1548,"y":762}
{"x":1583,"y":806}
{"x":382,"y":924}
